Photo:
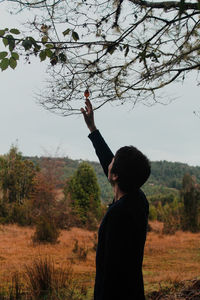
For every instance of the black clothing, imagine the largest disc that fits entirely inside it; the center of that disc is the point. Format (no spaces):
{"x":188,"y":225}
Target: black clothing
{"x":121,"y":240}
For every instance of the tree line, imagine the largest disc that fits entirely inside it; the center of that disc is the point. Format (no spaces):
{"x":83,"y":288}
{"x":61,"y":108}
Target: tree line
{"x":181,"y":211}
{"x":166,"y":177}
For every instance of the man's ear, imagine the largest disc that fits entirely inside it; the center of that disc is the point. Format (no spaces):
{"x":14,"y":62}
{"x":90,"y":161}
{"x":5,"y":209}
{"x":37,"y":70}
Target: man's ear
{"x":114,"y":177}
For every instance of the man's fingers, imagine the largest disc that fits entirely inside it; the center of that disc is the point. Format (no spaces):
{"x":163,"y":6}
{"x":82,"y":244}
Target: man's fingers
{"x":83,"y":111}
{"x":87,"y":112}
{"x":88,"y":103}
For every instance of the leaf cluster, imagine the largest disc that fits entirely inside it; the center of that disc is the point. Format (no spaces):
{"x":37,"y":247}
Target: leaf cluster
{"x":9,"y":59}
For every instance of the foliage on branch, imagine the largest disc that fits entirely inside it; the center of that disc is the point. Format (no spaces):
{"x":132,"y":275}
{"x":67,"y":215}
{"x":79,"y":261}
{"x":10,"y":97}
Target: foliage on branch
{"x":121,"y":50}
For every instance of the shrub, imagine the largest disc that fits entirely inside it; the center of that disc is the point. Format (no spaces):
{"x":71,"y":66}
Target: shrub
{"x":43,"y":279}
{"x":152,"y":213}
{"x":46,"y":231}
{"x":172,"y":215}
{"x":12,"y":290}
{"x":47,"y":282}
{"x":170,"y":226}
{"x":80,"y":251}
{"x":83,"y":252}
{"x":21,"y":213}
{"x":4,"y":212}
{"x":16,"y":288}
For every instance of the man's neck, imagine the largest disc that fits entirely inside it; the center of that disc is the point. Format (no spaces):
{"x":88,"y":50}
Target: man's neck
{"x":117,"y":192}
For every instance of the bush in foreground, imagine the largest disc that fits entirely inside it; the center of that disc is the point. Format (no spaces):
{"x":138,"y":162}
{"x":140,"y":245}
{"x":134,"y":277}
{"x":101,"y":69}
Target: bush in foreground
{"x":47,"y":282}
{"x":189,"y":289}
{"x":43,"y":281}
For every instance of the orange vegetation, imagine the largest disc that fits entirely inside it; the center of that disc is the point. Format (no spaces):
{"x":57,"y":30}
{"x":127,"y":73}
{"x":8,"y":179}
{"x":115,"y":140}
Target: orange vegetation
{"x":168,"y":259}
{"x":17,"y":250}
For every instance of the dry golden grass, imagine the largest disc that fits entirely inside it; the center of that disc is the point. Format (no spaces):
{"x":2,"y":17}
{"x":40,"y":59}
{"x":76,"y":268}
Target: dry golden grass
{"x":17,"y":250}
{"x":167,"y":260}
{"x":170,"y":259}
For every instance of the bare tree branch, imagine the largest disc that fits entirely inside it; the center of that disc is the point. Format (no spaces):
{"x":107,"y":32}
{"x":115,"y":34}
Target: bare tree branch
{"x":123,"y":51}
{"x":166,"y":4}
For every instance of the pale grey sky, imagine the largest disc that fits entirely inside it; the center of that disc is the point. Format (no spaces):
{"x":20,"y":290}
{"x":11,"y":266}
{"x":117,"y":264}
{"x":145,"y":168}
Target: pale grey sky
{"x":161,"y":132}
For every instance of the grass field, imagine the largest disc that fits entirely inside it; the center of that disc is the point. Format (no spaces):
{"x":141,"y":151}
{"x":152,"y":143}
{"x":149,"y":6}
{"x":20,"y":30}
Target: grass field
{"x":167,"y":261}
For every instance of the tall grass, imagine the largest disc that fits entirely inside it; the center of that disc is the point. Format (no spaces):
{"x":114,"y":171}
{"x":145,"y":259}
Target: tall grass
{"x":48,"y":282}
{"x":13,"y":290}
{"x":43,"y":281}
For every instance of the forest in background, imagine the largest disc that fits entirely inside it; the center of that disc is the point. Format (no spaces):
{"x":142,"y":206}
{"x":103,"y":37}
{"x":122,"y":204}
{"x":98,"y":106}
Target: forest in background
{"x":166,"y":177}
{"x":77,"y":193}
{"x":173,"y":192}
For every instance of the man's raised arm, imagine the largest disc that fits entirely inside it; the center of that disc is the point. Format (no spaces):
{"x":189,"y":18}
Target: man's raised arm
{"x":103,"y":152}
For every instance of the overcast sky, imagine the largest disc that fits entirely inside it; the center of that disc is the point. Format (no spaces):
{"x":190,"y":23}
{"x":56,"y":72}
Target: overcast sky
{"x":161,"y":132}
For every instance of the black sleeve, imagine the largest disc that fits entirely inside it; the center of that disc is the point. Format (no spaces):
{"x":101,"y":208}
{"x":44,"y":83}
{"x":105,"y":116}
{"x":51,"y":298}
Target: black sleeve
{"x":103,"y":152}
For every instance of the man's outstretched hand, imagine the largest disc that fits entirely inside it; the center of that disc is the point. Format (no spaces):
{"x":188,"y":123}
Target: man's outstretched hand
{"x":88,"y":115}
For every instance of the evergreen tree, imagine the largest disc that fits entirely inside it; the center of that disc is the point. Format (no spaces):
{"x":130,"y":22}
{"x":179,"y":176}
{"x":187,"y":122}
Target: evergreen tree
{"x":16,"y":176}
{"x":191,"y":204}
{"x":171,"y":216}
{"x":84,"y":194}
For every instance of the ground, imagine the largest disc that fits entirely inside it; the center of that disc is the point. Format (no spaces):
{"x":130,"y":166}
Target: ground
{"x":168,"y":259}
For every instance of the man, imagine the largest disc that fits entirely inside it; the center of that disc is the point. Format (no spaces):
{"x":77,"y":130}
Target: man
{"x":122,"y":233}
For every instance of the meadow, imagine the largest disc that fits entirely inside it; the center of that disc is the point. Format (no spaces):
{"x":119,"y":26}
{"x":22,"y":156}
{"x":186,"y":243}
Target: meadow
{"x":168,"y":259}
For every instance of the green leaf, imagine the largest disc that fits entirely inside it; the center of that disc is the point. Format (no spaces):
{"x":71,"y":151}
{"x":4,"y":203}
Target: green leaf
{"x":27,"y":44}
{"x":15,"y":55}
{"x":75,"y":35}
{"x":3,"y":54}
{"x":66,"y":32}
{"x":12,"y":63}
{"x":11,"y":45}
{"x":49,"y":53}
{"x":5,"y":41}
{"x":14,"y":31}
{"x":43,"y":55}
{"x":4,"y":64}
{"x":2,"y":32}
{"x":30,"y":38}
{"x":44,"y":38}
{"x":9,"y":40}
{"x":49,"y":46}
{"x":36,"y":48}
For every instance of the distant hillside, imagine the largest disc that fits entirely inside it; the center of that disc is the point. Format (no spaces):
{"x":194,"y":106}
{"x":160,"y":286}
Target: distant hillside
{"x":166,"y":177}
{"x":170,"y":174}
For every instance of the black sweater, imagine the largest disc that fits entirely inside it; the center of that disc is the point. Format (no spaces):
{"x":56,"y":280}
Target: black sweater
{"x":121,"y":240}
